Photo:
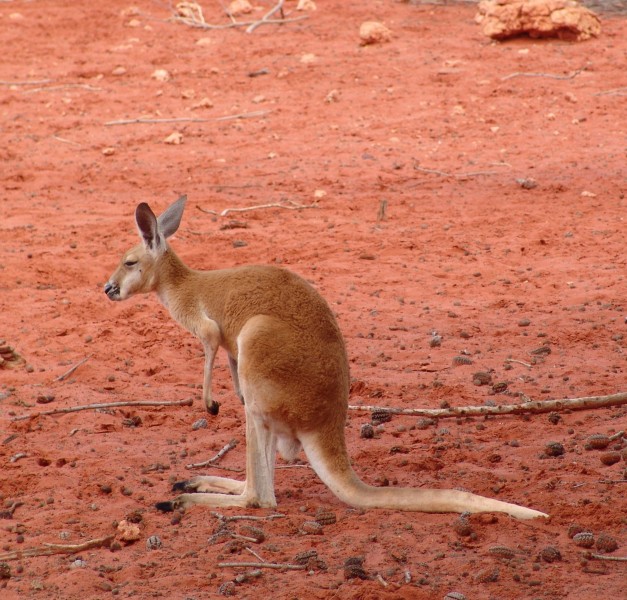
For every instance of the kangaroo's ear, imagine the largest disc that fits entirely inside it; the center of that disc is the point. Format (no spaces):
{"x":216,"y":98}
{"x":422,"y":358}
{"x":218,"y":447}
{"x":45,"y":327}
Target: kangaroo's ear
{"x":170,"y":220}
{"x":147,"y":226}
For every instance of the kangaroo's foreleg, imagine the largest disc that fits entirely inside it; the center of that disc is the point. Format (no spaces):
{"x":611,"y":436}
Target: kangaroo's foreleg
{"x":210,"y":337}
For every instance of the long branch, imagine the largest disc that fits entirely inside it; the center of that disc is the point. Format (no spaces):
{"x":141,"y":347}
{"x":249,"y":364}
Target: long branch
{"x":70,"y":409}
{"x":253,"y":565}
{"x":148,"y":121}
{"x":50,"y":549}
{"x":538,"y":406}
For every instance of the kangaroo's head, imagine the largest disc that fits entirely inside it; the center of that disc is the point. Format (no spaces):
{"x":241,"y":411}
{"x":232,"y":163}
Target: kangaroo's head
{"x":138,"y":270}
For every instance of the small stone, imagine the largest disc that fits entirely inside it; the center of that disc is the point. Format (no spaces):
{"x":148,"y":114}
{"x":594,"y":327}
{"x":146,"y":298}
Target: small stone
{"x":373,"y":32}
{"x":524,"y":323}
{"x":175,"y":138}
{"x":239,"y":7}
{"x":128,"y":532}
{"x":454,"y":596}
{"x":118,"y":71}
{"x":307,"y":5}
{"x":108,"y":151}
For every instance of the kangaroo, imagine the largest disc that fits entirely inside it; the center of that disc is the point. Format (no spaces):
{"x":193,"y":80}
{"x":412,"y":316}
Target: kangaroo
{"x":289,"y":367}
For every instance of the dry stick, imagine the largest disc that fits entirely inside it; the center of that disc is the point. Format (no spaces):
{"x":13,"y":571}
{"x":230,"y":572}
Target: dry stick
{"x":538,"y":406}
{"x":263,"y":565}
{"x":549,"y":75}
{"x":603,"y":557}
{"x":459,"y":175}
{"x":520,"y":362}
{"x":616,"y":91}
{"x":50,"y":549}
{"x":200,"y":25}
{"x":216,"y":458}
{"x":278,"y":7}
{"x":60,"y":411}
{"x":38,"y":82}
{"x":294,"y":206}
{"x":224,"y":518}
{"x":249,"y":115}
{"x":70,"y":371}
{"x":53,"y":88}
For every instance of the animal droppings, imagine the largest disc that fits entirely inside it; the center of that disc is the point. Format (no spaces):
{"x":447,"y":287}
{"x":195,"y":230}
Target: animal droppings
{"x":550,"y":554}
{"x":461,"y":360}
{"x":606,"y":543}
{"x":597,"y":441}
{"x":585,"y":539}
{"x":502,"y":551}
{"x":325,"y":517}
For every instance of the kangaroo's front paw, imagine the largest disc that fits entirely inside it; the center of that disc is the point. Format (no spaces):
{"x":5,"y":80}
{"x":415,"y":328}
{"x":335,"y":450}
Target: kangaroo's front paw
{"x":213,"y":407}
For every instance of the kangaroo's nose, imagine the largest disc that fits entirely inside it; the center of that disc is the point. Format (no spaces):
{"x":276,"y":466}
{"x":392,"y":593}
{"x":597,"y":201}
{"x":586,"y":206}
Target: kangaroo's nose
{"x":111,"y":289}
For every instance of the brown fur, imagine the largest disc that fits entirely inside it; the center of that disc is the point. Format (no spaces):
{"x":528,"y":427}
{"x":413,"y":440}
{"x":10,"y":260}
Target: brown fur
{"x":289,"y":366}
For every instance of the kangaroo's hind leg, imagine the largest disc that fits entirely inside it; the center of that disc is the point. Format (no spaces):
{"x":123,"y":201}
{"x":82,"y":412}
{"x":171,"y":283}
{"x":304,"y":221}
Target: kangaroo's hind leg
{"x":256,"y":491}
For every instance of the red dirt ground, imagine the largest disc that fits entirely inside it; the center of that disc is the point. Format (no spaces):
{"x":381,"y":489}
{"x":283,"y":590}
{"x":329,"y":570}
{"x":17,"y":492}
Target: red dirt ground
{"x":443,"y":125}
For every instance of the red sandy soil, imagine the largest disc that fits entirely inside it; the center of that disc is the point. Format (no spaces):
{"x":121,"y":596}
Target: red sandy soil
{"x":443,"y":125}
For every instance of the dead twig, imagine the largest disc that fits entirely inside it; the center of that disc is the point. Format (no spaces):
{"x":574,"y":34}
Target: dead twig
{"x":146,"y":121}
{"x":294,"y":206}
{"x":71,"y":370}
{"x":278,"y":7}
{"x":50,"y":549}
{"x":621,"y":91}
{"x":548,"y":75}
{"x":520,"y":362}
{"x":83,"y":86}
{"x":36,"y":82}
{"x":604,"y":557}
{"x":263,"y":565}
{"x":216,"y":458}
{"x":457,"y":175}
{"x":71,"y":409}
{"x":226,"y":519}
{"x":535,"y":407}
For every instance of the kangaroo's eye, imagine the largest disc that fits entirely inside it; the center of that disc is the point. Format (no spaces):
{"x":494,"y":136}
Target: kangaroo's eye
{"x":130,"y":263}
